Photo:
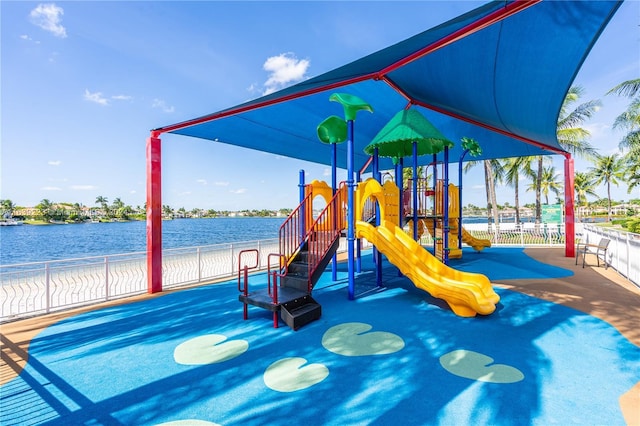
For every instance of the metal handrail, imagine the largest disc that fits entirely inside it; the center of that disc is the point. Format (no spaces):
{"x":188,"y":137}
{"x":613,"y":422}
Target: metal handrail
{"x":325,"y":230}
{"x":293,"y":230}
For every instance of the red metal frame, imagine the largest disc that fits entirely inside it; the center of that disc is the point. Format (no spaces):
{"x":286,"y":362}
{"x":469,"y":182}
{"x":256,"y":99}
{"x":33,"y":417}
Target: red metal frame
{"x":154,"y":214}
{"x":244,"y":271}
{"x":569,"y":208}
{"x":276,"y":274}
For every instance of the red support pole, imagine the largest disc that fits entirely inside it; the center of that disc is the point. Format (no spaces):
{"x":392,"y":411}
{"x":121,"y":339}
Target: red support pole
{"x":569,"y":216}
{"x":154,"y":215}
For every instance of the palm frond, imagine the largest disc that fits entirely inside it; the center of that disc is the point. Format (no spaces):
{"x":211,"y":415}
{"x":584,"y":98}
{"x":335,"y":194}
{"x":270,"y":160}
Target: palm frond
{"x":627,"y":88}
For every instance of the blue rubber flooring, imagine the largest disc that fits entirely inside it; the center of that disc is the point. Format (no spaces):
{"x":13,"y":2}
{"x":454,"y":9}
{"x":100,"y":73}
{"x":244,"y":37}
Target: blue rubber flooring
{"x":394,"y":356}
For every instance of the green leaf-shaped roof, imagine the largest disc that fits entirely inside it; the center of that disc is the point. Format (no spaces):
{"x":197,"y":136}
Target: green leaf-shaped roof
{"x":332,"y":130}
{"x":396,"y":138}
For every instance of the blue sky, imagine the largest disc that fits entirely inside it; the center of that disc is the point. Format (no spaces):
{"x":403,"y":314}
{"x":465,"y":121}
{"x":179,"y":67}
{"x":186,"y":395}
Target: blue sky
{"x":83,"y":82}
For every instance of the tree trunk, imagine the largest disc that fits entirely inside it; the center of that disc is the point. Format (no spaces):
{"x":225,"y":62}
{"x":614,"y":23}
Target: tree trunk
{"x":488,"y":178}
{"x":492,"y":202}
{"x":517,"y":200}
{"x":539,"y":191}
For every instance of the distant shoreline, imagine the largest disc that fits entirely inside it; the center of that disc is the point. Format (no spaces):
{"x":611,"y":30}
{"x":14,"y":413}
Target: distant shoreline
{"x":43,"y":223}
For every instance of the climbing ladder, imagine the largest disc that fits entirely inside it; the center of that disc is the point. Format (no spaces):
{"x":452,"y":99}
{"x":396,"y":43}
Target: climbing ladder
{"x":305,"y":249}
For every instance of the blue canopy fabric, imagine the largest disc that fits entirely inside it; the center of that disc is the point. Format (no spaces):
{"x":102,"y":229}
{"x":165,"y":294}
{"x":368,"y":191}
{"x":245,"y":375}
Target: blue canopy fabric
{"x":499,"y":75}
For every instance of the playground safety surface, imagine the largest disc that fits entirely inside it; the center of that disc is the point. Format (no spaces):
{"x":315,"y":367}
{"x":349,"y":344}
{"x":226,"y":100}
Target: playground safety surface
{"x":562,"y":347}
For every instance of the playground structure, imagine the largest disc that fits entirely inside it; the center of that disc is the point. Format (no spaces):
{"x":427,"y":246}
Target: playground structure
{"x":430,"y":218}
{"x":307,"y":245}
{"x":375,"y":212}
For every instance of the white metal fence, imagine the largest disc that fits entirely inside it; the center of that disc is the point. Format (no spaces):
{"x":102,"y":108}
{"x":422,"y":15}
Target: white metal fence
{"x":43,"y":287}
{"x":623,"y":252}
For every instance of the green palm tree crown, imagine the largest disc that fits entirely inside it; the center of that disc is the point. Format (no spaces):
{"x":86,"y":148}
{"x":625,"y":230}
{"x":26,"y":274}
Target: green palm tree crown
{"x":583,"y":186}
{"x":629,"y":120}
{"x":608,"y":169}
{"x":549,"y":182}
{"x":571,"y":136}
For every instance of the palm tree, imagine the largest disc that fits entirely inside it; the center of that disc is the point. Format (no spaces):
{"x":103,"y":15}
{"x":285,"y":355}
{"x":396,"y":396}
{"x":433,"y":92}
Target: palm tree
{"x":571,"y":136}
{"x":632,"y":174}
{"x":550,"y":182}
{"x":629,"y":120}
{"x":77,"y":212}
{"x":118,"y":208}
{"x":512,"y":169}
{"x":7,"y":207}
{"x":493,"y":172}
{"x":407,"y":174}
{"x":583,"y":186}
{"x":608,"y":169}
{"x":44,"y":209}
{"x":167,"y":211}
{"x":117,"y":204}
{"x":104,"y":203}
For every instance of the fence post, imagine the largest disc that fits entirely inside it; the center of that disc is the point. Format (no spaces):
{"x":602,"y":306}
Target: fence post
{"x":521,"y":227}
{"x":47,"y":288}
{"x":628,"y":241}
{"x":198,"y":256}
{"x":259,"y":256}
{"x":106,"y":278}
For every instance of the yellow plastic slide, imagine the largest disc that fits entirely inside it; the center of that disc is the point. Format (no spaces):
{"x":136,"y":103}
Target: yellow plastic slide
{"x":466,"y":293}
{"x":477,"y":243}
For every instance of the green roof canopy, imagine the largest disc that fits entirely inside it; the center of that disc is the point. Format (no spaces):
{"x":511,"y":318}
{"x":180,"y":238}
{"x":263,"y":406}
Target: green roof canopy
{"x":396,"y":138}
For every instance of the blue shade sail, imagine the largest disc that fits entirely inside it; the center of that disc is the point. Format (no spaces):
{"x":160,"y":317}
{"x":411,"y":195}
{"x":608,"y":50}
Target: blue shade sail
{"x":500,"y":83}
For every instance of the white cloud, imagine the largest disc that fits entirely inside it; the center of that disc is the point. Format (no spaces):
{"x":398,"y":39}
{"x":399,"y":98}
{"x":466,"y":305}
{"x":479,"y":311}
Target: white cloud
{"x":221,"y":183}
{"x":95,"y":97}
{"x":238,"y":191}
{"x":159,"y":103}
{"x":202,"y":181}
{"x":28,"y":38}
{"x":133,"y":191}
{"x":50,"y":188}
{"x":48,"y":17}
{"x":326,"y":172}
{"x":284,"y":69}
{"x":253,"y":88}
{"x":83,"y":187}
{"x":122,"y":97}
{"x":54,"y":162}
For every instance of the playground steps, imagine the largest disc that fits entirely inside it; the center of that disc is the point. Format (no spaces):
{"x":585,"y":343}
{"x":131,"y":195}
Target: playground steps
{"x":300,"y":311}
{"x":297,"y":307}
{"x":298,"y":271}
{"x":262,"y":298}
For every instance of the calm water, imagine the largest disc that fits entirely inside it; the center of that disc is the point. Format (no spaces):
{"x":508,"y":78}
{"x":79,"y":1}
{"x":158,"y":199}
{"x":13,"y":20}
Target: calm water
{"x":30,"y":243}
